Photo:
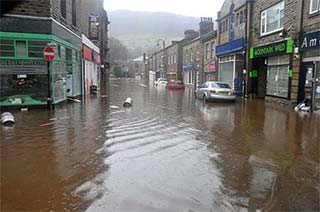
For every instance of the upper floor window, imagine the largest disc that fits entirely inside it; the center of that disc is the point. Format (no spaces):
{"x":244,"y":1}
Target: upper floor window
{"x":314,"y":6}
{"x":207,"y":51}
{"x":74,"y":9}
{"x":212,"y":50}
{"x":63,"y":8}
{"x":272,"y":19}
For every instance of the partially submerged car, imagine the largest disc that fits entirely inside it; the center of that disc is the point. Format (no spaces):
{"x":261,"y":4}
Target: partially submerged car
{"x":161,"y":81}
{"x":215,"y":91}
{"x":175,"y":84}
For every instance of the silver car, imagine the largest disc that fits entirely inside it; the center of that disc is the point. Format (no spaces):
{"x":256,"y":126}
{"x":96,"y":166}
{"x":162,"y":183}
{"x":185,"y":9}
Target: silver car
{"x":215,"y":91}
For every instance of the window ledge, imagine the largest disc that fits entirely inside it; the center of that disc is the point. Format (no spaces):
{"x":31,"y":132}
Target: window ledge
{"x":271,"y":33}
{"x":314,"y":14}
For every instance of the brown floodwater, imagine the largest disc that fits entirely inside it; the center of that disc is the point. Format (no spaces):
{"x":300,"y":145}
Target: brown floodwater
{"x":169,"y":152}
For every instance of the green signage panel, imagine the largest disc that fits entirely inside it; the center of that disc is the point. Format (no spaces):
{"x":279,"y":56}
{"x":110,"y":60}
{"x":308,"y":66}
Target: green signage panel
{"x":282,"y":47}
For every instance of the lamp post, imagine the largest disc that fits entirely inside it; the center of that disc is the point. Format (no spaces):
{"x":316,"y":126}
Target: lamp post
{"x":164,"y":54}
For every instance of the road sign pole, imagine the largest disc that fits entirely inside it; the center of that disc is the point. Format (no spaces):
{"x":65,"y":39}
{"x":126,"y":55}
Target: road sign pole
{"x":49,"y":54}
{"x":49,"y":86}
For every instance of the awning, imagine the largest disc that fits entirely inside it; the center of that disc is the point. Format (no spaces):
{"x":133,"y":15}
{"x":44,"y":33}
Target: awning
{"x":230,"y":47}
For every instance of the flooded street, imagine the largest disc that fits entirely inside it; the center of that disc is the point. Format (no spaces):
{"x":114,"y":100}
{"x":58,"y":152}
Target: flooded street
{"x":169,"y":152}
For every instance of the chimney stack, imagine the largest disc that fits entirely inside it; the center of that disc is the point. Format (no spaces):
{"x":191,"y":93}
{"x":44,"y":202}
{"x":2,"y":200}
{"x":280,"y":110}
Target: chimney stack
{"x":205,"y":25}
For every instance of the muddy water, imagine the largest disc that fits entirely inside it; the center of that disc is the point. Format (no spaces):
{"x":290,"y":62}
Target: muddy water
{"x":166,"y":153}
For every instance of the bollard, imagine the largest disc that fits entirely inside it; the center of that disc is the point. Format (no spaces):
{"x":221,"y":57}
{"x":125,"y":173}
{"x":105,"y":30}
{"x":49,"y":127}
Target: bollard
{"x":7,"y":118}
{"x":128,"y":102}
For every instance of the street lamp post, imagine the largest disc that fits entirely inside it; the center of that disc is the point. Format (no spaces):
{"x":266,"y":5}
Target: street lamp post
{"x":164,"y":55}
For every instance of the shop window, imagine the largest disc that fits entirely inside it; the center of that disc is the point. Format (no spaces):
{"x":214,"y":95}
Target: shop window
{"x":314,"y":6}
{"x":21,"y":48}
{"x":6,"y":48}
{"x":35,"y":48}
{"x":272,"y":19}
{"x":277,"y":76}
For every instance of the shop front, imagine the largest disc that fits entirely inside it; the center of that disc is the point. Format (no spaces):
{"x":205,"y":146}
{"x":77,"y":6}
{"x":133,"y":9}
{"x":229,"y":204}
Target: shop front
{"x":231,"y":63}
{"x":91,"y":66}
{"x":309,"y":83}
{"x":210,"y":72}
{"x":25,"y":79}
{"x":189,"y":74}
{"x":272,"y":69}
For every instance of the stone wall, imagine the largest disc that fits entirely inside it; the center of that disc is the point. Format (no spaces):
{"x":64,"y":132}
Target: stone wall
{"x":290,"y":15}
{"x":39,"y":8}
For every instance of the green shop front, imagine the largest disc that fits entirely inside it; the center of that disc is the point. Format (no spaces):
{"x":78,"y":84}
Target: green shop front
{"x":24,"y":76}
{"x":271,"y":71}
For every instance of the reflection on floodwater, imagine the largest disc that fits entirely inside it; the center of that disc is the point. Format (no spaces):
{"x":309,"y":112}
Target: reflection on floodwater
{"x":169,"y":152}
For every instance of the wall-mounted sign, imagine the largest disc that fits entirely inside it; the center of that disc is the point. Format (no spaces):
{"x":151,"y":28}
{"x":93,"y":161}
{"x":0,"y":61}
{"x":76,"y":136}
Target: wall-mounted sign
{"x":282,"y":47}
{"x":188,"y":66}
{"x":212,"y":67}
{"x":310,"y":41}
{"x":93,"y":28}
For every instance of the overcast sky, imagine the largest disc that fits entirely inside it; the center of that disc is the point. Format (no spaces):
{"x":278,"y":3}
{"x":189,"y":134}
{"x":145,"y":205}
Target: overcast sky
{"x":206,"y":8}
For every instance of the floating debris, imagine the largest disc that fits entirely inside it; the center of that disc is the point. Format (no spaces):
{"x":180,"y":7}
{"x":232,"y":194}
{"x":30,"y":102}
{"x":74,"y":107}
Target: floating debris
{"x":7,"y":118}
{"x":128,"y":102}
{"x":114,"y":107}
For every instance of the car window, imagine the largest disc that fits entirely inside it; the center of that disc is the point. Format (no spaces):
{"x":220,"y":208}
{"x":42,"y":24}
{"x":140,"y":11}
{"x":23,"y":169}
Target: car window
{"x":223,"y":85}
{"x":203,"y":85}
{"x":214,"y":85}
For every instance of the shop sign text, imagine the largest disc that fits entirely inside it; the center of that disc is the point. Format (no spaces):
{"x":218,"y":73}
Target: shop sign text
{"x":282,"y":47}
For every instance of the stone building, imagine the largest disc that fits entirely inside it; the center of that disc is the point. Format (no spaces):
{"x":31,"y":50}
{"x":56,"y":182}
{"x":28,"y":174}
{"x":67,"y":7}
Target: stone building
{"x":27,"y":27}
{"x":192,"y":62}
{"x":192,"y":54}
{"x":173,"y":62}
{"x":274,"y":71}
{"x":209,"y":57}
{"x":231,"y":42}
{"x":309,"y":52}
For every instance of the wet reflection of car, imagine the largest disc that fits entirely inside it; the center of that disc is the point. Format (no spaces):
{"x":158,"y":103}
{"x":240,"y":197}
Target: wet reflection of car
{"x":215,"y":91}
{"x":161,"y":81}
{"x":175,"y":84}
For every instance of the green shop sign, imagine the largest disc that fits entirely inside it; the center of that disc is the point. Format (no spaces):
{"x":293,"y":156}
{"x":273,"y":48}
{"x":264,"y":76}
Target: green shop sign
{"x":283,"y":47}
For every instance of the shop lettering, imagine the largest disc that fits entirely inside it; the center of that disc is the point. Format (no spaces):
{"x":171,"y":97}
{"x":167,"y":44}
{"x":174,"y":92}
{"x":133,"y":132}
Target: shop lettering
{"x":22,"y":63}
{"x":310,"y":40}
{"x":270,"y":50}
{"x":312,"y":43}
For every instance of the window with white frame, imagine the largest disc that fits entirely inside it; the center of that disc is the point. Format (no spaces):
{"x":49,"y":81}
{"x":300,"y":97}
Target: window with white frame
{"x":212,"y":50}
{"x":314,"y":6}
{"x":272,"y":19}
{"x":207,"y":51}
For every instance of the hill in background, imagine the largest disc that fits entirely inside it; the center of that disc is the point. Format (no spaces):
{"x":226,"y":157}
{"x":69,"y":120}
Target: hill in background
{"x":139,"y":31}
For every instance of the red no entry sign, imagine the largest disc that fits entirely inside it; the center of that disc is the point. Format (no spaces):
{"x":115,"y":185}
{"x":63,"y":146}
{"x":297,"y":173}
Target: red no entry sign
{"x":48,"y":53}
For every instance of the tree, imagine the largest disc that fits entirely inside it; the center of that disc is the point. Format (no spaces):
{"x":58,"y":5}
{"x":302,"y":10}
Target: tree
{"x":118,"y":52}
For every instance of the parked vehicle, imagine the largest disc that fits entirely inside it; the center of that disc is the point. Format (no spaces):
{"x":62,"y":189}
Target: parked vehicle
{"x":161,"y":81}
{"x":175,"y":84}
{"x":215,"y":91}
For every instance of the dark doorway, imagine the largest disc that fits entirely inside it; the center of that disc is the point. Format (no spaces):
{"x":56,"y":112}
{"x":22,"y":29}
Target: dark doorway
{"x":261,"y":81}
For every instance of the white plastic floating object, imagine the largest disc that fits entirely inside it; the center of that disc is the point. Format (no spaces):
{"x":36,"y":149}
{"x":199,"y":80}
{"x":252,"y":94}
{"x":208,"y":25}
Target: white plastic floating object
{"x":128,"y":102}
{"x":74,"y":100}
{"x":7,"y":118}
{"x":143,"y":85}
{"x":114,"y":107}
